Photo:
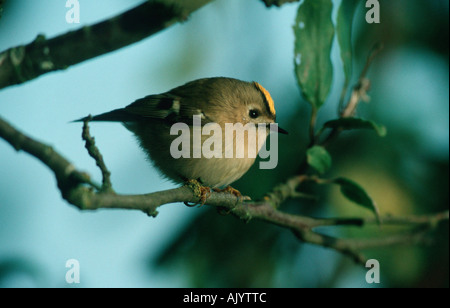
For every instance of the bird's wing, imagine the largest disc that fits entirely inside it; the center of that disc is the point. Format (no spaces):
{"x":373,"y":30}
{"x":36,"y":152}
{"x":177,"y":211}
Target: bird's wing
{"x":159,"y":106}
{"x":167,"y":106}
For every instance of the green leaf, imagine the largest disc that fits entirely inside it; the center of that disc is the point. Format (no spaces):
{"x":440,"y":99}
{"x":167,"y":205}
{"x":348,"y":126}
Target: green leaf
{"x":357,"y":194}
{"x":314,"y":32}
{"x":318,"y":158}
{"x":356,"y":123}
{"x":344,"y":35}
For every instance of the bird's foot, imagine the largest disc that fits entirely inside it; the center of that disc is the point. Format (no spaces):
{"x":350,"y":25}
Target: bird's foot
{"x":234,"y":192}
{"x":200,"y":191}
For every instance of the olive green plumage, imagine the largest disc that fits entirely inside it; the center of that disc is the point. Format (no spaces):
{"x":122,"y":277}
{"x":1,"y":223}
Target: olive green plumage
{"x":215,"y":100}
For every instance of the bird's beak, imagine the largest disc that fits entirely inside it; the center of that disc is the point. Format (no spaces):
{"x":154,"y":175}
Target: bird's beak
{"x":275,"y":128}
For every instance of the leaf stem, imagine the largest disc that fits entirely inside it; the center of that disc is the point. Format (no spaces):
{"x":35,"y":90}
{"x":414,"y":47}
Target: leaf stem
{"x":312,"y":126}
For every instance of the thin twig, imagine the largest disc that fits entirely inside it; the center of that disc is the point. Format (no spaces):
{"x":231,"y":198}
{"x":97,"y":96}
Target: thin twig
{"x":363,"y":85}
{"x":66,"y":174}
{"x":96,"y":155}
{"x":312,"y":125}
{"x":359,"y":92}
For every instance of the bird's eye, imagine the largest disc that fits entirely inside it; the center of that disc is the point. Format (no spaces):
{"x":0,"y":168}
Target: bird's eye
{"x":253,"y":113}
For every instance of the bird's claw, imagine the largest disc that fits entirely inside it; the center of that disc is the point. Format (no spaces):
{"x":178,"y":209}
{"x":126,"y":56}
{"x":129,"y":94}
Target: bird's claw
{"x":200,"y":191}
{"x":204,"y":192}
{"x":234,"y":192}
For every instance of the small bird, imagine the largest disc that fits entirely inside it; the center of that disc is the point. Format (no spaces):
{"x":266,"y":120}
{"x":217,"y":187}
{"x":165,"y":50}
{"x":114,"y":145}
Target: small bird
{"x":217,"y":100}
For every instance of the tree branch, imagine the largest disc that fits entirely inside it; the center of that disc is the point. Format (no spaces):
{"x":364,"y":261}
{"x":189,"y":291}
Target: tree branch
{"x":77,"y":189}
{"x":23,"y":63}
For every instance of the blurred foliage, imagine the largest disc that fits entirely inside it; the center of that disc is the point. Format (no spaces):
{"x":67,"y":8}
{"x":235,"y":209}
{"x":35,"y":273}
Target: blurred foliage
{"x":377,"y":165}
{"x":344,"y":26}
{"x":18,"y":271}
{"x":403,"y":22}
{"x":1,"y":8}
{"x":219,"y":251}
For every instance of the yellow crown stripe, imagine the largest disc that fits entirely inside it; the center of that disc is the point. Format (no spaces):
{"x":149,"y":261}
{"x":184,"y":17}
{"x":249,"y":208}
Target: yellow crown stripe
{"x":267,"y":96}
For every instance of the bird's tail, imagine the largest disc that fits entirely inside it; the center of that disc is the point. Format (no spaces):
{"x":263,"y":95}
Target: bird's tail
{"x":117,"y":115}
